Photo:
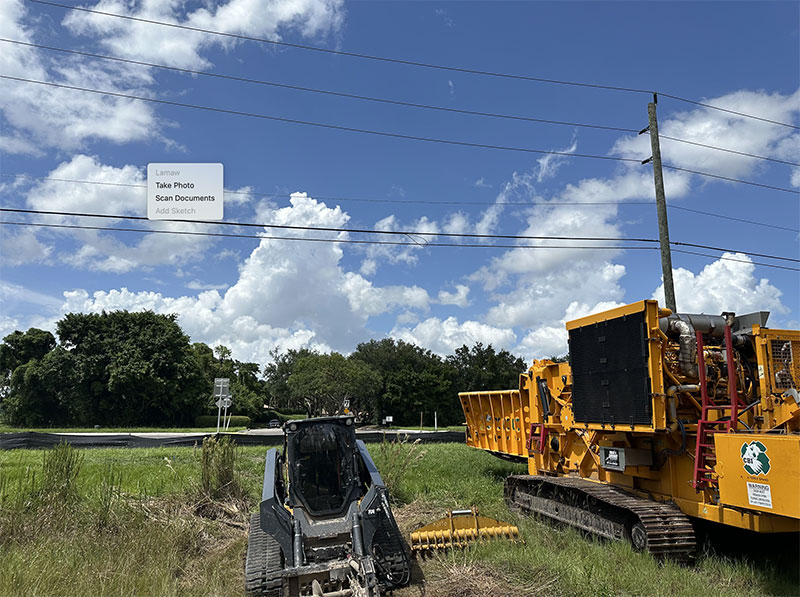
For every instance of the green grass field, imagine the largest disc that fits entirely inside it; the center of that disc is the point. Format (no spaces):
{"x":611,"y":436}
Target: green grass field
{"x":135,"y":522}
{"x":8,"y":429}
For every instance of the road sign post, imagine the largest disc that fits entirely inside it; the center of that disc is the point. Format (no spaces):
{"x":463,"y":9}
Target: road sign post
{"x":222,"y":395}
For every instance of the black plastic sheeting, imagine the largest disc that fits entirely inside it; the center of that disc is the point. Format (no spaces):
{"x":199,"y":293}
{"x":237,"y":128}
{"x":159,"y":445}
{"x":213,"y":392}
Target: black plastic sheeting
{"x":34,"y":440}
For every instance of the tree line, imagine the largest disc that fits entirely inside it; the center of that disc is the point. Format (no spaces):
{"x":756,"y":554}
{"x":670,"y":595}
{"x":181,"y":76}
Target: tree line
{"x":121,"y":368}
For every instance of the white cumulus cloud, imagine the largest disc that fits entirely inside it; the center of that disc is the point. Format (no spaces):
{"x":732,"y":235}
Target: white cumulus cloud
{"x":270,"y":19}
{"x":727,"y":284}
{"x":457,"y":298}
{"x":289,"y":294}
{"x":444,"y":336}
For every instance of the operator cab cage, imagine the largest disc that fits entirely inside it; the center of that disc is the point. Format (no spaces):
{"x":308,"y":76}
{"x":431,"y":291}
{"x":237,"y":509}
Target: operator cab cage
{"x":325,"y":468}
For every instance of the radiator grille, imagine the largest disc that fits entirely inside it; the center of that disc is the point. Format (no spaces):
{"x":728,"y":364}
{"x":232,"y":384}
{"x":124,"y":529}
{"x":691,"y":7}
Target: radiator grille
{"x":784,"y":362}
{"x":610,"y":380}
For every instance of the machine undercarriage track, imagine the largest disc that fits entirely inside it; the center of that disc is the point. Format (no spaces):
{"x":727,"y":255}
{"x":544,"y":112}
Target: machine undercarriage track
{"x":264,"y":563}
{"x":390,"y":555}
{"x":605,"y":511}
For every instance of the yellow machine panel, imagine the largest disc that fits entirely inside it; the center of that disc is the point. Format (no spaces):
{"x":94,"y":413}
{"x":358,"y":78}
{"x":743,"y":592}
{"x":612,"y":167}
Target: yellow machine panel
{"x":496,"y":421}
{"x":698,"y":411}
{"x":759,"y":471}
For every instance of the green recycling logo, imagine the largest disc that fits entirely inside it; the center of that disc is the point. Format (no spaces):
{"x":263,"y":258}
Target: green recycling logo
{"x":755,"y":459}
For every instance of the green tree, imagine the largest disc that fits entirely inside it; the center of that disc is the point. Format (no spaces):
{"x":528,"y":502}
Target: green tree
{"x":276,"y":377}
{"x":482,"y":368}
{"x":132,"y":368}
{"x":324,"y":382}
{"x":413,"y":380}
{"x":19,"y":348}
{"x":42,"y":390}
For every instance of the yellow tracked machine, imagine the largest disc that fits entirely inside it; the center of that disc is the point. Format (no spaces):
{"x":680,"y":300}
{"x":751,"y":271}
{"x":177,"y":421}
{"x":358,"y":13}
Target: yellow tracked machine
{"x":658,"y":418}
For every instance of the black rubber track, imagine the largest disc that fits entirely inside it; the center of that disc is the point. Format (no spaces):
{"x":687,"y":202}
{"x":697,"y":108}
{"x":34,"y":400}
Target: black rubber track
{"x":264,"y":564}
{"x":391,"y":555}
{"x":668,"y":531}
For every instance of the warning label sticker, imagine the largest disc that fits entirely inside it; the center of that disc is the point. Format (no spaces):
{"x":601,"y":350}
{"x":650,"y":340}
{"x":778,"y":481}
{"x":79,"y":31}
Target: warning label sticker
{"x":759,"y":495}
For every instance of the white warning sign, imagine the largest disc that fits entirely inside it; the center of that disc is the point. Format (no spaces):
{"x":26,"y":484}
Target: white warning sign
{"x":759,"y":494}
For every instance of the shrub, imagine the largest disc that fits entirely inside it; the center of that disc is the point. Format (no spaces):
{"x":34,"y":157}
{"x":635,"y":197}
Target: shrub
{"x":211,"y":421}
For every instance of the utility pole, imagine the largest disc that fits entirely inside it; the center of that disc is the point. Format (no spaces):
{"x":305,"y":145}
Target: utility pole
{"x":661,"y":205}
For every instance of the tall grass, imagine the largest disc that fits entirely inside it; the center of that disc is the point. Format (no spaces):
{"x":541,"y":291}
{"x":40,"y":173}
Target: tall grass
{"x":561,"y":561}
{"x":218,"y":478}
{"x":397,"y":457}
{"x":133,"y":527}
{"x":61,"y":535}
{"x":60,"y":468}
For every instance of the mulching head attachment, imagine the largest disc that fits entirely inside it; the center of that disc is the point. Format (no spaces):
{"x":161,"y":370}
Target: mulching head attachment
{"x":460,"y":528}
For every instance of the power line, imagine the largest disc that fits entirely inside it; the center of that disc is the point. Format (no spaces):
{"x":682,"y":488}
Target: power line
{"x":322,"y":124}
{"x":384,"y":133}
{"x":334,"y":229}
{"x":727,"y":150}
{"x":729,"y":179}
{"x":761,"y":118}
{"x":388,"y":101}
{"x":374,"y":242}
{"x":342,"y":52}
{"x":402,"y":61}
{"x":408,"y":233}
{"x":323,"y":91}
{"x":429,"y":202}
{"x":411,"y":243}
{"x":793,"y":269}
{"x":724,"y":217}
{"x":682,"y":244}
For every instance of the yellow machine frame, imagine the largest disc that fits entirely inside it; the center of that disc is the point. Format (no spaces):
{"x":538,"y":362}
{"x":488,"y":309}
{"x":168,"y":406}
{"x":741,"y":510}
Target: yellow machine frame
{"x":660,"y":456}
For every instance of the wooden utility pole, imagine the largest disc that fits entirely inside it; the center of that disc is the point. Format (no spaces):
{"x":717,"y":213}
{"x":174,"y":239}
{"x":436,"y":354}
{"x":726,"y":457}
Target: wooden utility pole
{"x":661,"y":206}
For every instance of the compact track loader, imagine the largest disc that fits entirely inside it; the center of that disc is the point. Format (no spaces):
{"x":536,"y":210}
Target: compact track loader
{"x":659,"y":418}
{"x":324,"y":526}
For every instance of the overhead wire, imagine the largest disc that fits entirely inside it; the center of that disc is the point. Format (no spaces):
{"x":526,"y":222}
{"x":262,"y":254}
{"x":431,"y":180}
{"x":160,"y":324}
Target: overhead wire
{"x":387,"y":59}
{"x":386,"y":133}
{"x":723,"y":258}
{"x":409,"y":233}
{"x":730,"y":179}
{"x":322,"y":91}
{"x":721,"y":109}
{"x":322,"y":124}
{"x":333,"y":228}
{"x":515,"y":117}
{"x":410,"y":243}
{"x":375,"y":242}
{"x":732,"y":218}
{"x":429,"y":202}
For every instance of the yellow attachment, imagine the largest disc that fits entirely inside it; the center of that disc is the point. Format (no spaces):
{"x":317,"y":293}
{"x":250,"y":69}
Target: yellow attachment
{"x":460,"y":528}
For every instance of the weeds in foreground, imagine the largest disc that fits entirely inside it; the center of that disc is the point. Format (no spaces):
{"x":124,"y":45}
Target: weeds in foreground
{"x":65,"y":530}
{"x":222,"y":496}
{"x":60,"y":469}
{"x":398,"y":457}
{"x":477,"y":579}
{"x":218,"y":478}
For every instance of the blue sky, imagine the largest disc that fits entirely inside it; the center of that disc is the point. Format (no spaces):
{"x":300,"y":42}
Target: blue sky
{"x":258,"y":295}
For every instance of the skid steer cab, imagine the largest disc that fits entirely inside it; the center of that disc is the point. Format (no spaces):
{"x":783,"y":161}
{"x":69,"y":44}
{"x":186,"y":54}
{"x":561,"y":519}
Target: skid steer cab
{"x":324,"y":526}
